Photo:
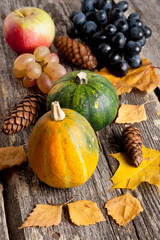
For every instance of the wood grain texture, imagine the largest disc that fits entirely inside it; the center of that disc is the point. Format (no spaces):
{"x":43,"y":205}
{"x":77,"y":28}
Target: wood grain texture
{"x":3,"y":225}
{"x":23,"y":190}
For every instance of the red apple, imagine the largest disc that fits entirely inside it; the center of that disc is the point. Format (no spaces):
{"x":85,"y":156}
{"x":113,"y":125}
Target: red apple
{"x":27,"y":28}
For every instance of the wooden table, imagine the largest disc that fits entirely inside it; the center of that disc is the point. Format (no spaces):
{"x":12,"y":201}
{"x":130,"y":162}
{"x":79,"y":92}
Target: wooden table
{"x":20,"y":189}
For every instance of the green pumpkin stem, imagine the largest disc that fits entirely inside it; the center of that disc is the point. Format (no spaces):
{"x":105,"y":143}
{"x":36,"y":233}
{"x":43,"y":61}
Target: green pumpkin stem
{"x":57,"y":113}
{"x":81,"y":78}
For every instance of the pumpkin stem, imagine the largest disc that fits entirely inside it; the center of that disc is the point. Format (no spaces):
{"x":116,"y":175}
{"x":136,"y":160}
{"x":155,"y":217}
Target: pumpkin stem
{"x":57,"y":113}
{"x":81,"y":78}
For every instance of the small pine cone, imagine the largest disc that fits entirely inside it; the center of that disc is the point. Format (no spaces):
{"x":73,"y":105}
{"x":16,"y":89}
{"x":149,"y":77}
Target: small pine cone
{"x":76,"y":52}
{"x":25,"y":114}
{"x":132,"y":141}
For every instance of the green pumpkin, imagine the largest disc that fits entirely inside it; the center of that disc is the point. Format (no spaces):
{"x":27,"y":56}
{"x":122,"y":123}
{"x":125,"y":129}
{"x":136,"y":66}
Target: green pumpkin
{"x":88,"y":93}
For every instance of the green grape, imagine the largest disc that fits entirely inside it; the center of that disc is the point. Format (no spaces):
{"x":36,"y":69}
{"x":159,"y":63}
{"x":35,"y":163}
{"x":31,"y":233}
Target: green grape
{"x":44,"y":83}
{"x":55,"y":70}
{"x":23,"y":60}
{"x":33,"y":70}
{"x":51,"y":57}
{"x":18,"y":73}
{"x":40,"y":53}
{"x":28,"y":83}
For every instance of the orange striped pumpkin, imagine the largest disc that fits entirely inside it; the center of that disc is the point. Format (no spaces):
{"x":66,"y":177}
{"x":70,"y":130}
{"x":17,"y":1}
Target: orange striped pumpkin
{"x":63,"y":149}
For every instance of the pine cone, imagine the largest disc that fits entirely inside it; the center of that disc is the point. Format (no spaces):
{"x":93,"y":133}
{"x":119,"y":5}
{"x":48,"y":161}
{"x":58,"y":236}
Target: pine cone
{"x":25,"y":114}
{"x":132,"y":140}
{"x":76,"y":52}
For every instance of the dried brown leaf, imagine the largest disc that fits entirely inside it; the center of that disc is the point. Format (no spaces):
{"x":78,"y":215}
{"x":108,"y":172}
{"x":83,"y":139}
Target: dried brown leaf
{"x":123,"y":208}
{"x":144,"y":78}
{"x":85,"y":212}
{"x":43,"y":215}
{"x":131,"y":114}
{"x":10,"y":156}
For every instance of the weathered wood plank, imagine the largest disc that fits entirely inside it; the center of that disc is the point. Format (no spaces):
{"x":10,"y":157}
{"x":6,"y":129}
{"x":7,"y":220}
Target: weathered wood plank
{"x":147,"y":194}
{"x":3,"y":225}
{"x":22,"y":189}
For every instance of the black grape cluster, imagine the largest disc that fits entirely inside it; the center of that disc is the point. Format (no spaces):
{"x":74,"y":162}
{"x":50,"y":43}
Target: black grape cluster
{"x":115,"y":39}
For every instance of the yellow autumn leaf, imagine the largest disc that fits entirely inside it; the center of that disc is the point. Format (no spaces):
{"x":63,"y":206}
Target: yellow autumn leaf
{"x":131,"y":114}
{"x":130,"y":177}
{"x":10,"y":156}
{"x":85,"y":212}
{"x":43,"y":215}
{"x":144,"y":78}
{"x":123,"y":208}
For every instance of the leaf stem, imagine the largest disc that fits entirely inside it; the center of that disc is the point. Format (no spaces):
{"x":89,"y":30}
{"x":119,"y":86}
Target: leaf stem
{"x":60,"y":204}
{"x":153,"y":100}
{"x":128,"y":184}
{"x":155,"y":67}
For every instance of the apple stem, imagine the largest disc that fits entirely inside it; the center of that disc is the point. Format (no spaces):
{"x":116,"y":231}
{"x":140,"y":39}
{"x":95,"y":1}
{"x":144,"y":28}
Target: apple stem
{"x":17,"y":12}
